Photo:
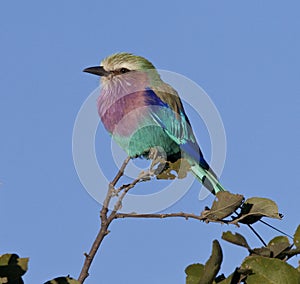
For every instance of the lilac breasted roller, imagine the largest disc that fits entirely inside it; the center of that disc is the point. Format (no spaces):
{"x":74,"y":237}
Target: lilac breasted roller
{"x":141,"y":112}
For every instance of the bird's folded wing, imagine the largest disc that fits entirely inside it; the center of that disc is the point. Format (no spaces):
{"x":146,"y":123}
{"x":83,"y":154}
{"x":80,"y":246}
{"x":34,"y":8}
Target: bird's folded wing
{"x":172,"y":118}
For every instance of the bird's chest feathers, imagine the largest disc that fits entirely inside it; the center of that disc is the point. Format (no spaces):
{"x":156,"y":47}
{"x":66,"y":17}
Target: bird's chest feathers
{"x":122,"y":115}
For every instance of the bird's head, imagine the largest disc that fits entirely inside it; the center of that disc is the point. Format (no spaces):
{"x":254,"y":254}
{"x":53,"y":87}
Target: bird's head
{"x":113,"y":68}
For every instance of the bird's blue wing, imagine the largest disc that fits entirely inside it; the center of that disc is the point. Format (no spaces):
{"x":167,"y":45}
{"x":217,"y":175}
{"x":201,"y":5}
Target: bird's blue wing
{"x":175,"y":124}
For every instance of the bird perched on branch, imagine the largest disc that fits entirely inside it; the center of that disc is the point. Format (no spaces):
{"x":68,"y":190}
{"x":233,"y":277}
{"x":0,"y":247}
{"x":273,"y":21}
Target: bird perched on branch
{"x":145,"y":115}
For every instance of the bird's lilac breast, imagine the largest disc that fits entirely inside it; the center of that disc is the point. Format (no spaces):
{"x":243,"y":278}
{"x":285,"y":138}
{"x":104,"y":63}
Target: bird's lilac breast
{"x":122,"y":115}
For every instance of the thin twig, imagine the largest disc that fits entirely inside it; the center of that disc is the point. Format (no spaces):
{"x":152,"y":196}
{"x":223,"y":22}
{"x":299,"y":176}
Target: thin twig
{"x":105,"y":222}
{"x":290,"y":252}
{"x":274,"y":228}
{"x":120,"y":193}
{"x":257,"y":234}
{"x":143,"y":176}
{"x":160,"y":216}
{"x":121,"y":172}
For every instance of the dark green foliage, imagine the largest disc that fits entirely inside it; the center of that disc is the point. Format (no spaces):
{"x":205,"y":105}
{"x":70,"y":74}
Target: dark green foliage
{"x":235,"y":239}
{"x":263,"y":265}
{"x":255,"y":208}
{"x":63,"y":280}
{"x":12,"y":268}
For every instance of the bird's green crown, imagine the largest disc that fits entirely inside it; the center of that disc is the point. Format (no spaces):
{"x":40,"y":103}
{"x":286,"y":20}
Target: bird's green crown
{"x":127,"y":61}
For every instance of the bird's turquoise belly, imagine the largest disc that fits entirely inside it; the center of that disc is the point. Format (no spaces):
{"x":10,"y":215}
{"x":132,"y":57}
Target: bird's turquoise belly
{"x":145,"y":138}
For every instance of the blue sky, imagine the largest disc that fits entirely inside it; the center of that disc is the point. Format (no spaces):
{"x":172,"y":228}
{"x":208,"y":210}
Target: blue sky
{"x":244,"y":55}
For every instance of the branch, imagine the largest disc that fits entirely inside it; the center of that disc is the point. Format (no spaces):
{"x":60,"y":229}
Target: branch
{"x":143,"y":176}
{"x":160,"y":216}
{"x":290,"y":253}
{"x":106,"y":220}
{"x":121,"y":172}
{"x":104,"y":224}
{"x":223,"y":206}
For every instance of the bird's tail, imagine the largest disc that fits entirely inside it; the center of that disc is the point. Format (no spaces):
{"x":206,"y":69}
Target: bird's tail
{"x":208,"y":178}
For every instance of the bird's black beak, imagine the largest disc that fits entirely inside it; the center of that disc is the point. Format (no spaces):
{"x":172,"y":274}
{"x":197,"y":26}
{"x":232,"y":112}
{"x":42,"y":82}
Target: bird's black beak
{"x":97,"y":70}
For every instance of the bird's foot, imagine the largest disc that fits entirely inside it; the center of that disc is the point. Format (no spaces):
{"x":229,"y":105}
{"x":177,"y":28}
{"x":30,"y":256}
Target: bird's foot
{"x":158,"y":161}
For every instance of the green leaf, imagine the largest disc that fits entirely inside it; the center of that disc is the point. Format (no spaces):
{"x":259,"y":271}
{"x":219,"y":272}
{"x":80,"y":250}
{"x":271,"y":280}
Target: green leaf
{"x":255,"y":208}
{"x":236,"y":239}
{"x":63,"y":280}
{"x":12,"y":267}
{"x":193,"y":273}
{"x":297,"y":237}
{"x":205,"y":274}
{"x":278,"y":244}
{"x":224,"y":205}
{"x":213,"y":264}
{"x":270,"y":271}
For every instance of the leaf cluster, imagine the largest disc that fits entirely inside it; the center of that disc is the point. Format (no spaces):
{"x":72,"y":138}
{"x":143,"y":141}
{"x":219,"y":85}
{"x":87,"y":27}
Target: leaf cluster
{"x":263,"y":265}
{"x":242,"y":211}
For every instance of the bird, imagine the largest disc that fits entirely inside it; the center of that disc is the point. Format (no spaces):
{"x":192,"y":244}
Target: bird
{"x":145,"y":115}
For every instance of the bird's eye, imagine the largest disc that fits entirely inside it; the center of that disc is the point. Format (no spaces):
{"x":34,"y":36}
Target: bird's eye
{"x":124,"y":70}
